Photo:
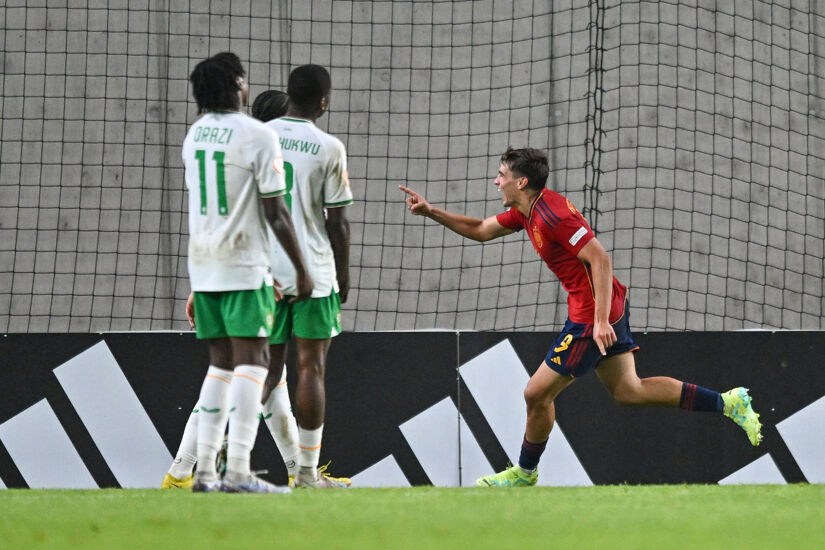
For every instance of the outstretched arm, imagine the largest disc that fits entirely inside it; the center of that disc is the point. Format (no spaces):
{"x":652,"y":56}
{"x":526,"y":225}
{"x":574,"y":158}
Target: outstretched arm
{"x":601,"y":267}
{"x":466,"y":226}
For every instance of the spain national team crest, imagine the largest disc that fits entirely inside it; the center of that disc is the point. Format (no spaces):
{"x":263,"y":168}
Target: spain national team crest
{"x":537,"y":237}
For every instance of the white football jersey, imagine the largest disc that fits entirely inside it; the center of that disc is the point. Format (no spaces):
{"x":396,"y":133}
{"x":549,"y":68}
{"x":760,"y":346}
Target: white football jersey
{"x":231,"y":160}
{"x":315,"y":167}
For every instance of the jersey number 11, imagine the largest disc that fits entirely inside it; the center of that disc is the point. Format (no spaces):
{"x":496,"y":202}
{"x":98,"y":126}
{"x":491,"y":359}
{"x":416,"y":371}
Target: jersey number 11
{"x":220,"y":172}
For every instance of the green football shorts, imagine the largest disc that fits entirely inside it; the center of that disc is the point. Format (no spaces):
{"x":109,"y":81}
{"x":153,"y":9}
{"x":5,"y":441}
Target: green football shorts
{"x":312,"y":319}
{"x":235,"y":313}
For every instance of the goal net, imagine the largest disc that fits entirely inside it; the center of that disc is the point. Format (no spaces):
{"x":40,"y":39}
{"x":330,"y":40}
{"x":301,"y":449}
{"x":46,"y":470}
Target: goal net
{"x":691,"y":133}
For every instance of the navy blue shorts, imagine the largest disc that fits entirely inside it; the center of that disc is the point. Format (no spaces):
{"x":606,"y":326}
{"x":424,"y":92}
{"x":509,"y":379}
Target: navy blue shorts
{"x":575,"y":353}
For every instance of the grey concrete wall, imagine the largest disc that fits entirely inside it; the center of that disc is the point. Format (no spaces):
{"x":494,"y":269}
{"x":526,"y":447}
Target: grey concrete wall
{"x":714,"y":161}
{"x":708,"y":157}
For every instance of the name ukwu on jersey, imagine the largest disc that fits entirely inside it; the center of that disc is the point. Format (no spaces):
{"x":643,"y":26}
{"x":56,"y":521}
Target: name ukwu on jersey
{"x":300,"y":146}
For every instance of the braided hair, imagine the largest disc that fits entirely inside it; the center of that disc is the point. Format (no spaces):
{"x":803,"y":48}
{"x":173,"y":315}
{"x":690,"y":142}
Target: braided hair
{"x":270,"y":105}
{"x":215,"y":83}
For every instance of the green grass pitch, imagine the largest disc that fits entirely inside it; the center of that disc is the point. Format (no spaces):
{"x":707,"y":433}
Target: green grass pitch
{"x":613,"y":517}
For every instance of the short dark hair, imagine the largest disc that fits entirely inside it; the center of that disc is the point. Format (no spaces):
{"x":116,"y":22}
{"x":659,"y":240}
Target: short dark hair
{"x":270,"y":105}
{"x":308,"y":85}
{"x":215,"y":82}
{"x":529,"y":163}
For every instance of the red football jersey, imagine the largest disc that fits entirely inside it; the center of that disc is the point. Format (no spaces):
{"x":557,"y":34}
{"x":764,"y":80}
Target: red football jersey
{"x":558,"y":233}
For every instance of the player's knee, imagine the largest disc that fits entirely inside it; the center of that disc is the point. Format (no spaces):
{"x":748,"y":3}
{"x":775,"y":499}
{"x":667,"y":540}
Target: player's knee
{"x":311,"y":366}
{"x":534,"y":398}
{"x":258,"y":357}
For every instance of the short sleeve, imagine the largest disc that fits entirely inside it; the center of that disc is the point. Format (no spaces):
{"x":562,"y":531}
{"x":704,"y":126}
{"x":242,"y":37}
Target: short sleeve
{"x":511,"y":219}
{"x":572,"y":232}
{"x":337,"y":191}
{"x":269,"y":166}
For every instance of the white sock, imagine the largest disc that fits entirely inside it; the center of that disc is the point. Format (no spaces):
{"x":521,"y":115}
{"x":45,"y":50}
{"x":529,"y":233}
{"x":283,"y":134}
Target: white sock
{"x":244,"y":403}
{"x":277,"y":413}
{"x":213,"y":411}
{"x":188,"y":449}
{"x":309,"y":445}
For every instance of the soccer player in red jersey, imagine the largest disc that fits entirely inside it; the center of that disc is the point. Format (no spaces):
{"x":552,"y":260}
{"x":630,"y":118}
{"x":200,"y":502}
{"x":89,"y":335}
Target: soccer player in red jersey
{"x":597,"y":333}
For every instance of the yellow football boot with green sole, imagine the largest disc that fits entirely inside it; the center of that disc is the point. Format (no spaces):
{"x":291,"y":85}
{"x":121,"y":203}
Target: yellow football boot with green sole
{"x":513,"y":476}
{"x":738,"y":408}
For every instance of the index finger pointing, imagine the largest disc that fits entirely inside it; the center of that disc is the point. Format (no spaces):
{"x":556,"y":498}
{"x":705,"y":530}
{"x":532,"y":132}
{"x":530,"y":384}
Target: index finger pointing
{"x":407,"y":190}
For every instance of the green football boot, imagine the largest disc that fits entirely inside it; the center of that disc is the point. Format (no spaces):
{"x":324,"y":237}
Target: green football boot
{"x":738,"y":408}
{"x":513,"y":476}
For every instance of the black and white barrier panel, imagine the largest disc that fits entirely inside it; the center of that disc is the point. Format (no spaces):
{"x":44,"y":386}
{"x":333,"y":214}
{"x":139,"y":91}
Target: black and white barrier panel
{"x":406,"y":408}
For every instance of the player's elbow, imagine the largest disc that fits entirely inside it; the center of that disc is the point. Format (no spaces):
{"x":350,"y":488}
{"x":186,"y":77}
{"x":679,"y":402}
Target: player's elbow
{"x":276,"y":212}
{"x":600,"y":261}
{"x":278,"y":222}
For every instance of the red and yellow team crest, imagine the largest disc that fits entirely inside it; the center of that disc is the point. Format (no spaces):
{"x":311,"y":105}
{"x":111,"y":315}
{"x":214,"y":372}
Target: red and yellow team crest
{"x":571,"y":207}
{"x":537,"y":237}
